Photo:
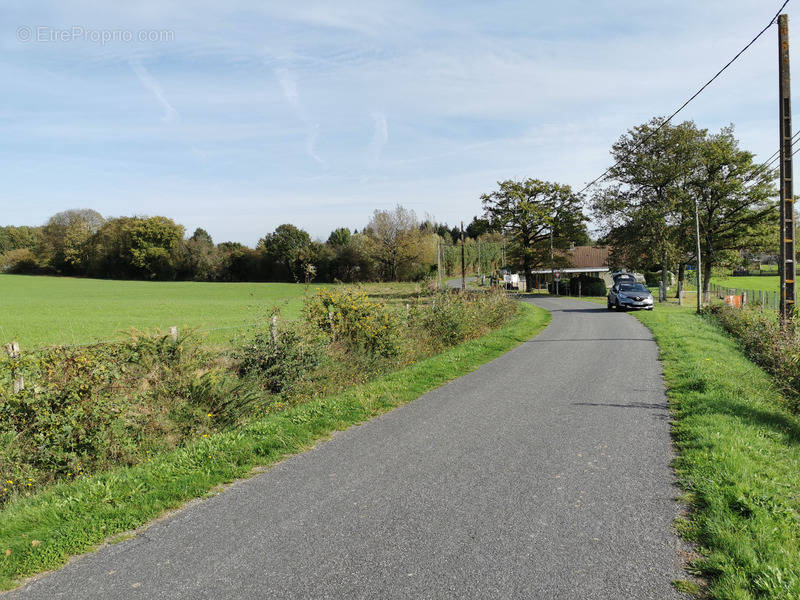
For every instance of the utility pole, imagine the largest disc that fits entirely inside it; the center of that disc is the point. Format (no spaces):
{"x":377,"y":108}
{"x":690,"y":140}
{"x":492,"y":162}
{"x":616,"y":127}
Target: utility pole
{"x":697,"y":234}
{"x":439,"y":261}
{"x":787,"y":255}
{"x":463,"y":265}
{"x":552,"y":263}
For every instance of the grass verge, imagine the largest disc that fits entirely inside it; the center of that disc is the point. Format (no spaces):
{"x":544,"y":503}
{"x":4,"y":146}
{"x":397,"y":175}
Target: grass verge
{"x":739,"y":459}
{"x":41,"y":532}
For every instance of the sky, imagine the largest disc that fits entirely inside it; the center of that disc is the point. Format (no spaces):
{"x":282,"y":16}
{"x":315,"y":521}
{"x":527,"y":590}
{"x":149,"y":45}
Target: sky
{"x":238,"y":116}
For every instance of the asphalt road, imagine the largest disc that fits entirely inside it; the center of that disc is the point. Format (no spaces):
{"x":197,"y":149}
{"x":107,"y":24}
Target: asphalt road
{"x":544,"y":474}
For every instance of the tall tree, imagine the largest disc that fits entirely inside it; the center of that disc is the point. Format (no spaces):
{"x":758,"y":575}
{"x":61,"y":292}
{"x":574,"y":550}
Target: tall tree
{"x":736,"y":199}
{"x":530,"y":211}
{"x":649,"y":185}
{"x":339,"y":237}
{"x":65,"y":238}
{"x":285,"y":246}
{"x":397,"y":240}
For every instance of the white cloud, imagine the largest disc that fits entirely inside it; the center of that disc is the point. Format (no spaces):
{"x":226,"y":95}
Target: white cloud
{"x":152,"y":85}
{"x":379,"y":138}
{"x":288,"y":85}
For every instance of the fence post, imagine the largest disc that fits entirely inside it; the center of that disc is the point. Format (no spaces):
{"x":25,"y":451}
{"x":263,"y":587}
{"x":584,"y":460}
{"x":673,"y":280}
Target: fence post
{"x":13,"y":354}
{"x":173,"y":332}
{"x":744,"y":298}
{"x":273,"y":330}
{"x":579,"y":288}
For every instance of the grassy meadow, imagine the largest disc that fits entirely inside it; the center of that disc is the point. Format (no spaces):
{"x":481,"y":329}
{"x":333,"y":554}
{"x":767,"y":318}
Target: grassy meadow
{"x":757,"y":282}
{"x":44,"y":311}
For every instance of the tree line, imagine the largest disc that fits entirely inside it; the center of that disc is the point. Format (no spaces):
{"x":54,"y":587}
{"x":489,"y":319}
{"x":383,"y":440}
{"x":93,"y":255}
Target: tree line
{"x":395,"y":245}
{"x":645,"y":210}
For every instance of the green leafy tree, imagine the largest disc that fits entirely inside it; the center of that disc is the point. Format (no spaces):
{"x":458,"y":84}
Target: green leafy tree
{"x":339,"y":237}
{"x":201,"y":236}
{"x":649,"y":185}
{"x":398,"y":242}
{"x":16,"y":238}
{"x":284,"y":246}
{"x":151,"y":245}
{"x":736,"y":200}
{"x":65,"y":242}
{"x":528,"y":211}
{"x":478,"y":227}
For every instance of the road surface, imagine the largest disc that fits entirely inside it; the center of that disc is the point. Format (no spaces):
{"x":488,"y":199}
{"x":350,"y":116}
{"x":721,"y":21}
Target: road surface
{"x":543,"y":474}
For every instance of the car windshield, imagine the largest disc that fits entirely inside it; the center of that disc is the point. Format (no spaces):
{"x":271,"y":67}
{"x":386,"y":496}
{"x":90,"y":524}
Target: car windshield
{"x":632,"y":287}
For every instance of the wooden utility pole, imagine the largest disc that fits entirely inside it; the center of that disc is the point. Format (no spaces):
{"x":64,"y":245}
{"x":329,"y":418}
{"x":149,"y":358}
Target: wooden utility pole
{"x":699,"y":268}
{"x":463,"y":264}
{"x":787,"y":255}
{"x":439,"y":262}
{"x":552,"y":263}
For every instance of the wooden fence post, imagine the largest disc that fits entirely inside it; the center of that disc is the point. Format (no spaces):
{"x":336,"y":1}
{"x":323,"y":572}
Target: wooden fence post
{"x":273,"y":330}
{"x":13,"y":354}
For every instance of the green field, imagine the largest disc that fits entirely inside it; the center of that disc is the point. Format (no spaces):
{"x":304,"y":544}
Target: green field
{"x":763,"y":282}
{"x":41,"y":311}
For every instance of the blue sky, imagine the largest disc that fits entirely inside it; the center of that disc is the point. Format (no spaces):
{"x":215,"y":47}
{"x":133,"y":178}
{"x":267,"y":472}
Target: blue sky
{"x":239,"y":116}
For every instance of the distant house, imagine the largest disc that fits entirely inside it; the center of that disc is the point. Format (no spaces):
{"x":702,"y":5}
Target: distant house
{"x":584,"y":260}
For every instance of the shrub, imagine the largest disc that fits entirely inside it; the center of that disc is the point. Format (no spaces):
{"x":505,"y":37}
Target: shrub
{"x":652,"y":278}
{"x":458,"y":316}
{"x":69,"y":419}
{"x":590,"y":286}
{"x":449,"y":320}
{"x":279,"y":364}
{"x":354,"y":319}
{"x":21,"y":260}
{"x":763,"y":341}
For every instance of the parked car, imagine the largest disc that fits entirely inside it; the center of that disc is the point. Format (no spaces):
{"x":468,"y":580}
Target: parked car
{"x":625,"y":294}
{"x":622,"y":276}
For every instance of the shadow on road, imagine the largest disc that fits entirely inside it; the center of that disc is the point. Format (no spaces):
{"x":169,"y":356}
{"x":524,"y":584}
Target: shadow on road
{"x":645,"y":405}
{"x":538,"y":341}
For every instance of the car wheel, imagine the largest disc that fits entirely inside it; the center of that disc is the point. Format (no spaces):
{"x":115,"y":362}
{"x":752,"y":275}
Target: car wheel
{"x":608,"y":305}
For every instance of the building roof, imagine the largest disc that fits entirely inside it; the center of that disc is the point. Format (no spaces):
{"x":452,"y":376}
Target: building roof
{"x":589,"y":256}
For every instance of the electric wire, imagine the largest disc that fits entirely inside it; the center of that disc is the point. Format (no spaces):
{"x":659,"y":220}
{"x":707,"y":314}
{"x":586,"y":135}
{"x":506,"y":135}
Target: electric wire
{"x":685,"y":104}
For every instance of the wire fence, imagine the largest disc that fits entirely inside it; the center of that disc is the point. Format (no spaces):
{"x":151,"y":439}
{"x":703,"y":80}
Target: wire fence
{"x":743,"y":296}
{"x":156,"y":334}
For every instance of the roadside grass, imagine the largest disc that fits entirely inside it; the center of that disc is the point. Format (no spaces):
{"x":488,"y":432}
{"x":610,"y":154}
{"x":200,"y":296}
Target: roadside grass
{"x":41,"y":532}
{"x":43,"y":311}
{"x":739,"y":459}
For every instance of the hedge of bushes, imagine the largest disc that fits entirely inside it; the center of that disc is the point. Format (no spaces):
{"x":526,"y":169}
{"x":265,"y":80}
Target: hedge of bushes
{"x":84,"y":409}
{"x":764,"y":342}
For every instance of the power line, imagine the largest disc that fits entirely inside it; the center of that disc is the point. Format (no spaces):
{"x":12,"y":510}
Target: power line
{"x":685,"y":104}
